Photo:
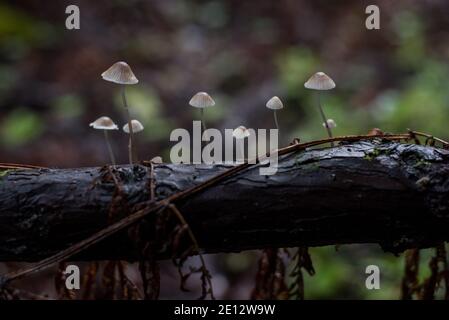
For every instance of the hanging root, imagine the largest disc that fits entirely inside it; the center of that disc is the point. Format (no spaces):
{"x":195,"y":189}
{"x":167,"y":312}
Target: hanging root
{"x":439,"y":273}
{"x":89,"y":281}
{"x":270,"y":277}
{"x":302,"y":260}
{"x":206,"y":278}
{"x":410,"y":280}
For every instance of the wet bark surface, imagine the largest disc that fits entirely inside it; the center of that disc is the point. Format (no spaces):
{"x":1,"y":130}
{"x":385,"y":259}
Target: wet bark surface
{"x":388,"y":193}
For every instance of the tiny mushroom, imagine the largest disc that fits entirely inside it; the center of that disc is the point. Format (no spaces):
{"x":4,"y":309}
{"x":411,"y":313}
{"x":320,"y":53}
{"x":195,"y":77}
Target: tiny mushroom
{"x":106,"y":124}
{"x":121,"y":73}
{"x":136,"y":127}
{"x":241,"y":133}
{"x":275,"y":104}
{"x":156,"y":160}
{"x":321,"y":82}
{"x":202,"y":100}
{"x":375,"y":132}
{"x":330,"y":123}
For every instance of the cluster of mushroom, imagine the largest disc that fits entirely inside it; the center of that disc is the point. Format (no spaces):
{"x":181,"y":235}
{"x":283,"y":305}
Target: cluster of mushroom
{"x":119,"y":73}
{"x":203,"y":100}
{"x":320,"y":82}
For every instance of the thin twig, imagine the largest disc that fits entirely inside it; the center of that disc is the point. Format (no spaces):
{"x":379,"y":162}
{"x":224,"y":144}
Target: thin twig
{"x":7,"y":166}
{"x":429,"y":136}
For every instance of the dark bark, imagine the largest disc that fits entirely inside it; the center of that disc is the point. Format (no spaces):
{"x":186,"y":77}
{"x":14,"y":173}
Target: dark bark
{"x":388,"y":193}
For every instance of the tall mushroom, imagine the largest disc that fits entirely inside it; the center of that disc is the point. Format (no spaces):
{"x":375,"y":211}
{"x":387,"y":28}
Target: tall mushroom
{"x":121,"y":73}
{"x":202,"y":100}
{"x":321,"y":81}
{"x":135,"y":127}
{"x":275,"y":104}
{"x":106,"y":124}
{"x":240,"y":133}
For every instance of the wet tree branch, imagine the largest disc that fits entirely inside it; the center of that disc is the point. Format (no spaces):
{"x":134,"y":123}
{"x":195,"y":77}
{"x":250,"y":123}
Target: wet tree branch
{"x":388,"y":193}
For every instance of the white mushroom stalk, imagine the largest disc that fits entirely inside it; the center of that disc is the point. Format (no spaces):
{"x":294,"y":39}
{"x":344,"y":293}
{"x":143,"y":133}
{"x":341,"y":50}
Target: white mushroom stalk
{"x":320,"y":82}
{"x":275,"y":104}
{"x":106,"y":124}
{"x":121,"y":73}
{"x":135,"y":127}
{"x":241,"y":133}
{"x":202,"y":100}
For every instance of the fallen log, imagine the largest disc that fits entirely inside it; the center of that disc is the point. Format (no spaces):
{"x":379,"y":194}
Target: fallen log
{"x":389,"y":193}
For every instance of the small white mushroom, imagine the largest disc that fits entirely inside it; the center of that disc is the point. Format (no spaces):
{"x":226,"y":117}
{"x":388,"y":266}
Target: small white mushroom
{"x":275,"y":104}
{"x":136,"y":127}
{"x":121,"y":73}
{"x":156,"y":160}
{"x":202,"y":100}
{"x":106,"y":124}
{"x":321,"y":82}
{"x":240,"y":133}
{"x":330,"y":123}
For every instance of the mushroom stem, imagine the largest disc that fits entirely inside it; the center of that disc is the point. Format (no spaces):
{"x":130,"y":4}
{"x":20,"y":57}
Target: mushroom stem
{"x":242,"y":148}
{"x":131,"y":133}
{"x":202,"y":119}
{"x":203,"y":123}
{"x":329,"y":132}
{"x":276,"y":119}
{"x":108,"y":144}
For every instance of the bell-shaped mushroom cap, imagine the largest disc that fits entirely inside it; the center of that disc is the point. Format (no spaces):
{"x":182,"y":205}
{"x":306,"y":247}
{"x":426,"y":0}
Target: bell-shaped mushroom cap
{"x":320,"y":81}
{"x":240,"y":133}
{"x":157,"y":160}
{"x":121,"y":73}
{"x":137,"y":126}
{"x":275,"y":103}
{"x":104,"y":123}
{"x":330,"y":123}
{"x":202,"y":100}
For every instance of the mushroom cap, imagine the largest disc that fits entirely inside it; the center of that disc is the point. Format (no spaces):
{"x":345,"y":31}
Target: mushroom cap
{"x":104,"y":123}
{"x":202,"y":100}
{"x":375,"y":132}
{"x":121,"y":73}
{"x":331,"y":123}
{"x":137,"y":126}
{"x":240,"y":132}
{"x":157,"y":160}
{"x":320,"y":81}
{"x":275,"y":103}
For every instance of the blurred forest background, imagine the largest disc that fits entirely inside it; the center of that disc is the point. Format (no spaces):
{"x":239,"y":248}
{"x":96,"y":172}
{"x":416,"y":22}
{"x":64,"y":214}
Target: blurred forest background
{"x":242,"y":53}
